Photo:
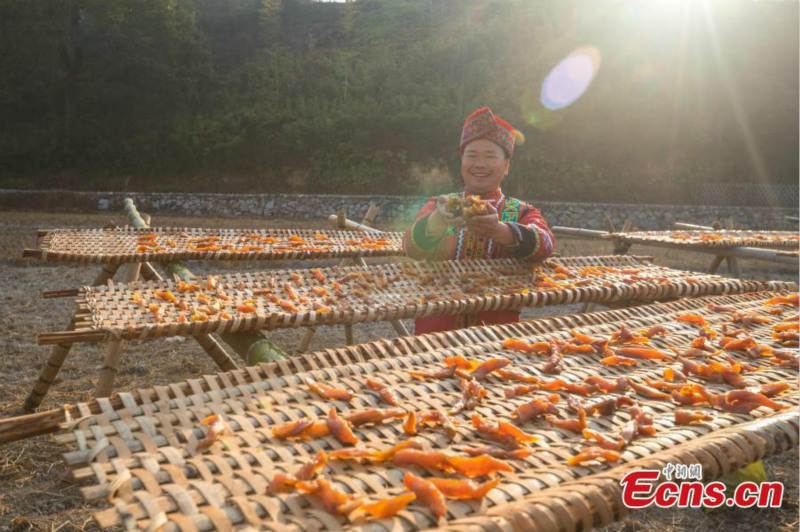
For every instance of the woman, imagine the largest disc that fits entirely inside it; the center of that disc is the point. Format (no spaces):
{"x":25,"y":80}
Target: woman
{"x":512,"y":228}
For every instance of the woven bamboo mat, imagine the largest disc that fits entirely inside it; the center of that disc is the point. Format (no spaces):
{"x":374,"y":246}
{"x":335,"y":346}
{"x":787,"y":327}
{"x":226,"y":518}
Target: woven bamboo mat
{"x":140,"y":448}
{"x":269,"y":300}
{"x":712,"y":239}
{"x":165,"y":244}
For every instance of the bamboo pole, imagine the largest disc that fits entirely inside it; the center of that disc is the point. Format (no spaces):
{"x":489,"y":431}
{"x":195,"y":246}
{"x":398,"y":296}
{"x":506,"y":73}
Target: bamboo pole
{"x":48,"y":375}
{"x":575,"y":232}
{"x":715,"y":264}
{"x":113,"y":355}
{"x":60,"y":352}
{"x":339,"y":221}
{"x":252,"y":346}
{"x":762,"y":254}
{"x":692,"y":227}
{"x":108,"y":372}
{"x":217,"y":353}
{"x":733,"y":262}
{"x":302,"y":347}
{"x":622,"y":247}
{"x":333,"y":219}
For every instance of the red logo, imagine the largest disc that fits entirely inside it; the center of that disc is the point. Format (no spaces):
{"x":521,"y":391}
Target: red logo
{"x":641,"y":489}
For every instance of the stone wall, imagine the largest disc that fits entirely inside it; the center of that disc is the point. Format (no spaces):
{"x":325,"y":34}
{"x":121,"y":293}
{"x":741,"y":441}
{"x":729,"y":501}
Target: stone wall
{"x":393,"y":208}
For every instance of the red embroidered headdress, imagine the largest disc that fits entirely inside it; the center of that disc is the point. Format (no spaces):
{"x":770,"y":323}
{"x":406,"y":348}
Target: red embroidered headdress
{"x":484,"y":124}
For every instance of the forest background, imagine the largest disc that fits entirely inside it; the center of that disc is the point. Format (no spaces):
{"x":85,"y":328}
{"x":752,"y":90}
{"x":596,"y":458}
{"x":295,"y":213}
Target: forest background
{"x":368,"y":96}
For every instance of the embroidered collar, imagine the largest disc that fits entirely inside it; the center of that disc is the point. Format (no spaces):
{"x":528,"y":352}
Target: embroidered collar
{"x":492,"y":197}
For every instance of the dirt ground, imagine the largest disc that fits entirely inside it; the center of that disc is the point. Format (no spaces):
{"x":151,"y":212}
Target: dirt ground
{"x":36,"y":496}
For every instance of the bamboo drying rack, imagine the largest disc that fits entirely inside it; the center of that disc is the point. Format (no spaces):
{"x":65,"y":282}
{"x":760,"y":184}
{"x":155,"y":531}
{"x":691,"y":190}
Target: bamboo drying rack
{"x":711,"y":238}
{"x":119,"y":245}
{"x":349,"y":244}
{"x":138,"y":444}
{"x":115,"y":312}
{"x":729,"y":254}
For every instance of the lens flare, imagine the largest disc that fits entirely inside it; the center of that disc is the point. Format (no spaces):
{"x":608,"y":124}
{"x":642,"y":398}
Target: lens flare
{"x":570,"y":78}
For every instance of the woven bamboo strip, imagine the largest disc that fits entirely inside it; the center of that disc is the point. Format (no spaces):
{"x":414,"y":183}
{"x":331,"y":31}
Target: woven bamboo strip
{"x":595,"y":501}
{"x":591,"y":500}
{"x":249,"y":301}
{"x":105,"y":411}
{"x":712,"y":239}
{"x":225,"y":487}
{"x":59,"y":353}
{"x":150,"y":402}
{"x":168,"y":244}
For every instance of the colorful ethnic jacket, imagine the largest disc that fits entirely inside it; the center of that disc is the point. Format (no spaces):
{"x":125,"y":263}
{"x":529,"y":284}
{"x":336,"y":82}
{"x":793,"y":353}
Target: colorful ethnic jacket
{"x":536,"y":243}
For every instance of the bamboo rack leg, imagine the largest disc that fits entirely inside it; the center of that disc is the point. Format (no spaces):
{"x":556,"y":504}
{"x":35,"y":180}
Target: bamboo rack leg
{"x":348,"y":335}
{"x":107,"y":273}
{"x":302,"y":347}
{"x":217,"y":353}
{"x":59,"y":353}
{"x":47,"y":377}
{"x":348,"y":329}
{"x":149,"y":273}
{"x":342,"y":223}
{"x":368,"y":220}
{"x":715,"y":264}
{"x":112,"y":357}
{"x":212,"y":348}
{"x":733,"y":266}
{"x":733,"y":262}
{"x":609,"y":224}
{"x":399,"y":328}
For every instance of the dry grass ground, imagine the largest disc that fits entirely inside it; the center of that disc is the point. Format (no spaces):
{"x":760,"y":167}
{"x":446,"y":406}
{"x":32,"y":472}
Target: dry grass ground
{"x":34,"y":492}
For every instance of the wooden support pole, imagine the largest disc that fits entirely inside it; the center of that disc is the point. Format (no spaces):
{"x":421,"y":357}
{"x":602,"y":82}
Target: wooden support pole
{"x":348,"y":335}
{"x":48,"y":375}
{"x":715,"y":264}
{"x":302,"y":347}
{"x":575,"y":232}
{"x":400,"y":328}
{"x":341,"y":223}
{"x":60,"y":351}
{"x":733,"y":262}
{"x":149,"y":273}
{"x":113,"y":350}
{"x":350,"y":225}
{"x":217,"y":353}
{"x":106,"y":274}
{"x":733,"y":266}
{"x":372,"y":212}
{"x":692,"y":227}
{"x":609,"y":224}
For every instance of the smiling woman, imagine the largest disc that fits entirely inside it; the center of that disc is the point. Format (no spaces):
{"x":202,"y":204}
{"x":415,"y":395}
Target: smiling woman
{"x":480,"y":222}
